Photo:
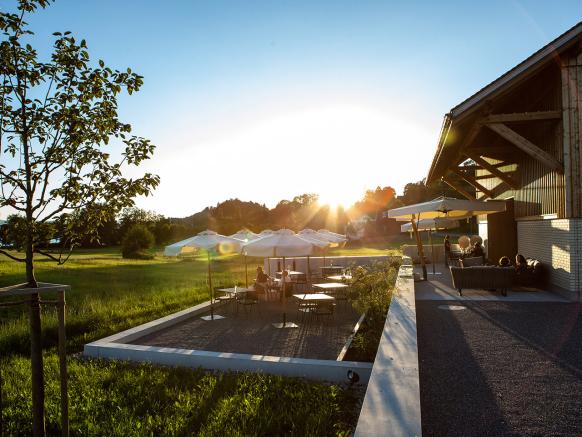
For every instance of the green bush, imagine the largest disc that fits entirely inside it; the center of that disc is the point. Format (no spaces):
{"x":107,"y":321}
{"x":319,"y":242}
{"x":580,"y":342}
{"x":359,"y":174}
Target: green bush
{"x":371,"y":293}
{"x":135,"y":243}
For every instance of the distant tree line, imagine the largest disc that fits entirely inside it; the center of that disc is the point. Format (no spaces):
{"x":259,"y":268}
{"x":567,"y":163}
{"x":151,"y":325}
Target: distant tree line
{"x":303,"y":211}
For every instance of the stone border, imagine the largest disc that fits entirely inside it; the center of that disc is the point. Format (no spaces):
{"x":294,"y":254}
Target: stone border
{"x":392,"y":402}
{"x":344,"y":350}
{"x":116,"y":347}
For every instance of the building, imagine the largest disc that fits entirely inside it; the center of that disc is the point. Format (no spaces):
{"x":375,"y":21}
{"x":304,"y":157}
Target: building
{"x":521,"y":136}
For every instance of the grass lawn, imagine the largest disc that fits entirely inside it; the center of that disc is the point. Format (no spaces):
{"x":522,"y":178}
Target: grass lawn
{"x":110,"y":294}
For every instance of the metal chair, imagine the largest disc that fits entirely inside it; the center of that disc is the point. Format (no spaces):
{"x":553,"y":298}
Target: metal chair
{"x":249,"y":300}
{"x":225,"y":298}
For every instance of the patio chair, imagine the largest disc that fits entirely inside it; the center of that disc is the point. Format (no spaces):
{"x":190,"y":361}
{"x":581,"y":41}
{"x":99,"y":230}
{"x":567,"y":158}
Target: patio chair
{"x":324,"y":309}
{"x":306,"y":309}
{"x":249,"y":300}
{"x":224,"y":298}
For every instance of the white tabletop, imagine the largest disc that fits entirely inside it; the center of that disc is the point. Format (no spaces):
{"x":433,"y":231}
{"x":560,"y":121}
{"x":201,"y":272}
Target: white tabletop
{"x":314,"y":297}
{"x":331,"y":285}
{"x":292,"y":273}
{"x":340,"y":277}
{"x":233,"y":290}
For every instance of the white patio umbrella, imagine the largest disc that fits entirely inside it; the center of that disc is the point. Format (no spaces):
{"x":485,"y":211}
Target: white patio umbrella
{"x":262,"y":234}
{"x":337,"y":239}
{"x":208,"y":240}
{"x":430,"y":225}
{"x":318,"y":240}
{"x":281,"y":243}
{"x":333,"y":236}
{"x":446,"y":207}
{"x":245,"y":235}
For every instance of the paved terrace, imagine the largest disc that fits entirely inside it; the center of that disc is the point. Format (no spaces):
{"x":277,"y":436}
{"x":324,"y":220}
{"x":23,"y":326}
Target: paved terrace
{"x":251,"y":332}
{"x":493,"y":365}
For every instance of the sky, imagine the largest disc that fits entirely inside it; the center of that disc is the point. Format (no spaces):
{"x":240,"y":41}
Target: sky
{"x":266,"y":100}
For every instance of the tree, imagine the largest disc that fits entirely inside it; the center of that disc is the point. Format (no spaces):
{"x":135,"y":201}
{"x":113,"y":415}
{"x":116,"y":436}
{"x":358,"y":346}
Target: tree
{"x":136,"y":241}
{"x":58,"y":127}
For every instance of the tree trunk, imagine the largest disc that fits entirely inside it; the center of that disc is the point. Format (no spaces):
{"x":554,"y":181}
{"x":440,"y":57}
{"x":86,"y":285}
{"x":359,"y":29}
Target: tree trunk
{"x":30,"y":279}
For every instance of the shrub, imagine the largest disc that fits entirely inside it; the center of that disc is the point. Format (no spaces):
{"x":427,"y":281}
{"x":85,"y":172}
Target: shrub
{"x":371,"y":293}
{"x":135,"y":243}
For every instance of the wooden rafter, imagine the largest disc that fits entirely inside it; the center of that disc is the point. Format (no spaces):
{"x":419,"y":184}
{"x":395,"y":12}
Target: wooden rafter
{"x":527,"y":146}
{"x":472,"y":181}
{"x":523,"y":116}
{"x":486,"y":151}
{"x":458,"y":189}
{"x":492,"y":169}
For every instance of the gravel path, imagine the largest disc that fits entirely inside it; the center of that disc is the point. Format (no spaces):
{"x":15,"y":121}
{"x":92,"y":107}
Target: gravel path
{"x":499,"y":368}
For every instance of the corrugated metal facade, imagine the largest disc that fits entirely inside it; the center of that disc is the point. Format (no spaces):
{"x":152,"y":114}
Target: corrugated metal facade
{"x":542,"y":191}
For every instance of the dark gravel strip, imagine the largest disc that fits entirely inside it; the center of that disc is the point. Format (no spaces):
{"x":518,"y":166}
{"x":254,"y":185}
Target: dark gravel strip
{"x":499,"y":368}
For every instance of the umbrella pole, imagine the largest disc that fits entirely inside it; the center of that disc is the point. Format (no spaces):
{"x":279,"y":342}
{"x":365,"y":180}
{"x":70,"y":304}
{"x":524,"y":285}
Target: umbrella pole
{"x":284,"y":297}
{"x":308,"y":271}
{"x":210,"y":288}
{"x":419,"y":246}
{"x":246,"y":273}
{"x":431,"y":250}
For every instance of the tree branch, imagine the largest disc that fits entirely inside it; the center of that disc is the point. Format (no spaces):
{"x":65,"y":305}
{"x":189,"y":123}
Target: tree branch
{"x":3,"y":252}
{"x":48,"y":255}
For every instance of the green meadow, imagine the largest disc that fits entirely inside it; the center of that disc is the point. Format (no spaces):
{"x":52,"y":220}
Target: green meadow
{"x":109,"y":294}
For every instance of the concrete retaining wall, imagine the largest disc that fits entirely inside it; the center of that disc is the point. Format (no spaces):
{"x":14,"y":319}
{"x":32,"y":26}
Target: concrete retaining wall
{"x":116,"y":347}
{"x":392,"y":402}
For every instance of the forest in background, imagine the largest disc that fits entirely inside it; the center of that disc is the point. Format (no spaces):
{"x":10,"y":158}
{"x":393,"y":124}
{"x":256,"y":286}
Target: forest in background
{"x":227,"y":217}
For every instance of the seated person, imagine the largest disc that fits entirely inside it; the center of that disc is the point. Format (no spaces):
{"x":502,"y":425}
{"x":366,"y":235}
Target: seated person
{"x":477,"y":250}
{"x":504,"y":261}
{"x":262,"y":280}
{"x":520,"y":263}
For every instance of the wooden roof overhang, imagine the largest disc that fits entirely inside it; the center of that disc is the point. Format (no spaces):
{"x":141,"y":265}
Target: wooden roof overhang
{"x":472,"y":131}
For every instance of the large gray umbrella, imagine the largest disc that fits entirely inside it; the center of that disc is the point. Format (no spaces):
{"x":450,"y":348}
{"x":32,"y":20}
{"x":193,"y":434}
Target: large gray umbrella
{"x":446,"y":207}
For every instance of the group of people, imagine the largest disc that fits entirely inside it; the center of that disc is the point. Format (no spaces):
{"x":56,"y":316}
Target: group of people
{"x":475,"y":250}
{"x":520,"y":262}
{"x":264,"y":281}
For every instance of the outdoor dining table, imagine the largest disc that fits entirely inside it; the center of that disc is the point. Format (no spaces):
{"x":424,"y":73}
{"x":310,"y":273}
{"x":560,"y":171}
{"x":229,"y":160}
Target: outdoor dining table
{"x":338,"y":289}
{"x":331,"y":270}
{"x":340,"y":278}
{"x":314,"y":297}
{"x":235,"y":292}
{"x":295,"y":276}
{"x":331,"y":286}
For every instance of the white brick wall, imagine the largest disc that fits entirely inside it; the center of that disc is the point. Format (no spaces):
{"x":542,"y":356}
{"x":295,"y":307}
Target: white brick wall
{"x":557,"y":243}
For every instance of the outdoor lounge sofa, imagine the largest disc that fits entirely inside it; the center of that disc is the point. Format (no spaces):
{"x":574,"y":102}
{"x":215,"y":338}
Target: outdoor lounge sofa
{"x":483,"y":277}
{"x":532,"y":275}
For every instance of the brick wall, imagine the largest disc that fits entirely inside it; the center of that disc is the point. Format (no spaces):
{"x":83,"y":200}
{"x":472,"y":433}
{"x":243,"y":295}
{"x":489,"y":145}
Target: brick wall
{"x":557,"y":243}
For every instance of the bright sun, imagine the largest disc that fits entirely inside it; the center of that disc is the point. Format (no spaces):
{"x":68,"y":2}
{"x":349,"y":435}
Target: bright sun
{"x":337,"y":152}
{"x":334,"y":200}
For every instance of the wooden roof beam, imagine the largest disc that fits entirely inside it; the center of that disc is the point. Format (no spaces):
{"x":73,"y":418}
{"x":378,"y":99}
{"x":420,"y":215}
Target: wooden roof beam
{"x":472,"y":181}
{"x":492,"y":169}
{"x":523,"y":116}
{"x":458,"y":189}
{"x":527,"y":146}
